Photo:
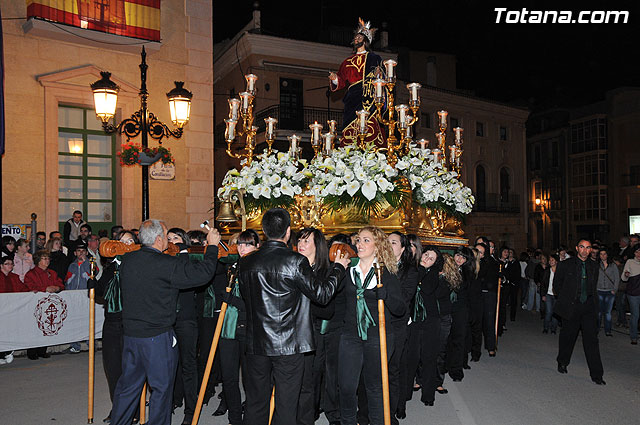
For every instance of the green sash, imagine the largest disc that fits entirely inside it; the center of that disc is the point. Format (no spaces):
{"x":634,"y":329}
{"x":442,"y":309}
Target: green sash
{"x":231,"y":316}
{"x":324,"y":327}
{"x":419,"y":311}
{"x":363,"y":315}
{"x":112,"y":294}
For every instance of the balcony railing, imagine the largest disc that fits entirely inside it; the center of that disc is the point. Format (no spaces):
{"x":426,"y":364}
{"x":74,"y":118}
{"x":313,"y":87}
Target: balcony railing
{"x":288,"y":119}
{"x":631,"y":179}
{"x":495,"y":202}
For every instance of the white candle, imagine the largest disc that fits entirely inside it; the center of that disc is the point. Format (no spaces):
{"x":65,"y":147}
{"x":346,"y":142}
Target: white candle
{"x":270,"y":133}
{"x":293,"y":146}
{"x":389,"y":66}
{"x":452,"y":156}
{"x":332,"y":126}
{"x":230,"y":132}
{"x":414,"y":92}
{"x":328,"y":142}
{"x":379,"y":86}
{"x":234,"y":106}
{"x":443,"y":118}
{"x":315,"y":133}
{"x":251,"y":82}
{"x":458,"y":131}
{"x":402,"y":115}
{"x":438,"y":155}
{"x":363,"y":115}
{"x":423,"y":143}
{"x":246,"y":101}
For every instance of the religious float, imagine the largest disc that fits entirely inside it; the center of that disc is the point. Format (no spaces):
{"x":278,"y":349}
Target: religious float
{"x":404,"y":185}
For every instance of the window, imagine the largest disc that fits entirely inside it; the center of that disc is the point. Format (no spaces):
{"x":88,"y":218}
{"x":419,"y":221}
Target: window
{"x":425,"y":119}
{"x":589,"y":135}
{"x":86,"y":168}
{"x":589,"y":205}
{"x":505,"y":187}
{"x":589,"y":170}
{"x":479,"y":129}
{"x":503,"y":133}
{"x":291,"y":110}
{"x":481,"y":189}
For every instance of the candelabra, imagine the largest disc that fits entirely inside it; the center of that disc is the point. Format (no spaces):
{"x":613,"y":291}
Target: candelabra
{"x":404,"y":120}
{"x":455,"y":150}
{"x":243,"y":109}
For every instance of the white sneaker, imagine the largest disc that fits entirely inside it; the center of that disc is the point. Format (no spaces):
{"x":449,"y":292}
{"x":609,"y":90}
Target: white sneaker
{"x":74,"y":350}
{"x":8,"y":358}
{"x":3,"y":361}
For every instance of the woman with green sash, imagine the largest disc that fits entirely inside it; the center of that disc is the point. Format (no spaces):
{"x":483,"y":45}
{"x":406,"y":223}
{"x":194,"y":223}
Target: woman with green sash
{"x":231,"y":345}
{"x":360,"y":344}
{"x":424,"y":329}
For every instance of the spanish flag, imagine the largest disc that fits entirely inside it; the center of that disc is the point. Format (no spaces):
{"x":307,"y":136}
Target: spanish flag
{"x":131,"y":18}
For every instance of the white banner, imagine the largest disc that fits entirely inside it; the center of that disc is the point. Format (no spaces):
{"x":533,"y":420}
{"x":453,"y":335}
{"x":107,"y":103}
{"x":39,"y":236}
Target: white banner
{"x":40,"y":319}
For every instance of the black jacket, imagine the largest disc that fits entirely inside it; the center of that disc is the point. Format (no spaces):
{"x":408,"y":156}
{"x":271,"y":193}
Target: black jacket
{"x":566,"y":284}
{"x":276,"y":285}
{"x":150,"y":282}
{"x":488,"y":274}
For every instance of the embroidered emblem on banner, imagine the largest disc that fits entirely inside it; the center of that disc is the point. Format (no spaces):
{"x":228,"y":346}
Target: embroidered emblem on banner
{"x":50,"y":314}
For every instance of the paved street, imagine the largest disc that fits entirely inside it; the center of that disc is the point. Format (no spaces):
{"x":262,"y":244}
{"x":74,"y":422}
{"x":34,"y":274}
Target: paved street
{"x":519,"y":386}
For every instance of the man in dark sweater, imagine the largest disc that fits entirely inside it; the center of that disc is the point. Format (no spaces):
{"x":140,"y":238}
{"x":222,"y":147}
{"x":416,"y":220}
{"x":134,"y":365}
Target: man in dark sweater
{"x":150,"y":282}
{"x":575,"y":282}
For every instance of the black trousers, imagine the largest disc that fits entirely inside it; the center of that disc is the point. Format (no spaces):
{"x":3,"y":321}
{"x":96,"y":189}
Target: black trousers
{"x":489,"y":300}
{"x":585,"y":319}
{"x":354,"y":354}
{"x":231,"y":353}
{"x":397,"y":368}
{"x":505,"y":295}
{"x":263,"y":372}
{"x":456,"y":343}
{"x":187,"y":336}
{"x":441,"y":360}
{"x":306,"y":408}
{"x":424,"y":339}
{"x":331,"y":396}
{"x":514,"y":301}
{"x":474,"y":330}
{"x":206,"y":328}
{"x":112,"y":341}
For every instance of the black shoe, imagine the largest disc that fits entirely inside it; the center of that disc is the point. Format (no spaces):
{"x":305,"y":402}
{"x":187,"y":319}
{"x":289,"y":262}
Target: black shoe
{"x":442,"y":391}
{"x":418,"y":388}
{"x":553,"y":332}
{"x":545,"y":331}
{"x":401,"y":413}
{"x":428,"y":403}
{"x":457,"y":379}
{"x":608,"y":334}
{"x":33,"y":357}
{"x":598,"y":381}
{"x":187,"y":420}
{"x":466,"y":366}
{"x":562,"y":368}
{"x":107,"y":420}
{"x":492,"y":353}
{"x":475,"y":359}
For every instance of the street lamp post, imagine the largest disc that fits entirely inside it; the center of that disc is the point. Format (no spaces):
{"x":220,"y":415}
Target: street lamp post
{"x":143,"y":122}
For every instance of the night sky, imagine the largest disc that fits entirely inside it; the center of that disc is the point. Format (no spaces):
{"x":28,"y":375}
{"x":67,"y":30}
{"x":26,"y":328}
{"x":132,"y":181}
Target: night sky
{"x":535,"y":65}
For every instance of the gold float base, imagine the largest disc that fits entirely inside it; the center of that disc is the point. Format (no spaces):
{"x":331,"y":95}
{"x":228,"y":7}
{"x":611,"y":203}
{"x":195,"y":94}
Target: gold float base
{"x":433,"y":227}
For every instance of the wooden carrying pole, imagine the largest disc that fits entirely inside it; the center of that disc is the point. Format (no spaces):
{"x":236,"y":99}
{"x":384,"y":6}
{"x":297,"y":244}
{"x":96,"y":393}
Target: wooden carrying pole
{"x":498,"y":305}
{"x":272,"y":404}
{"x":92,"y":340}
{"x":212,"y":353}
{"x":143,"y":405}
{"x":382,"y":329}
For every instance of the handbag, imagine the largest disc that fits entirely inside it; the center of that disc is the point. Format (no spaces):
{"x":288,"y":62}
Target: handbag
{"x":231,"y":317}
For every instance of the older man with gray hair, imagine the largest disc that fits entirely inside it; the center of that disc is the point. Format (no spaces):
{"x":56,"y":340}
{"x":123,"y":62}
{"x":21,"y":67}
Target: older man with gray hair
{"x":150,"y":282}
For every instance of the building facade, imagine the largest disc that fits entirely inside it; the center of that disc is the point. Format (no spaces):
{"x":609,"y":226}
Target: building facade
{"x":292,"y":87}
{"x":57,"y":157}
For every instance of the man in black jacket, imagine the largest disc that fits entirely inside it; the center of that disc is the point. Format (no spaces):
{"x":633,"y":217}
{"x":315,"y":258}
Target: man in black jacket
{"x":150,"y":282}
{"x":276,"y":285}
{"x":575,"y":282}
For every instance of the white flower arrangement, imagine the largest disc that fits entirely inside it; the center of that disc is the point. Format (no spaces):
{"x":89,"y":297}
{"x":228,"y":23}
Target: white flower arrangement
{"x":352,"y":177}
{"x":432,"y":185}
{"x":269,"y":181}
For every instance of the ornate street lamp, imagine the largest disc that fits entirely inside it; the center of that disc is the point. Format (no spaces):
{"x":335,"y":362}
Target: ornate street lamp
{"x":142,"y":122}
